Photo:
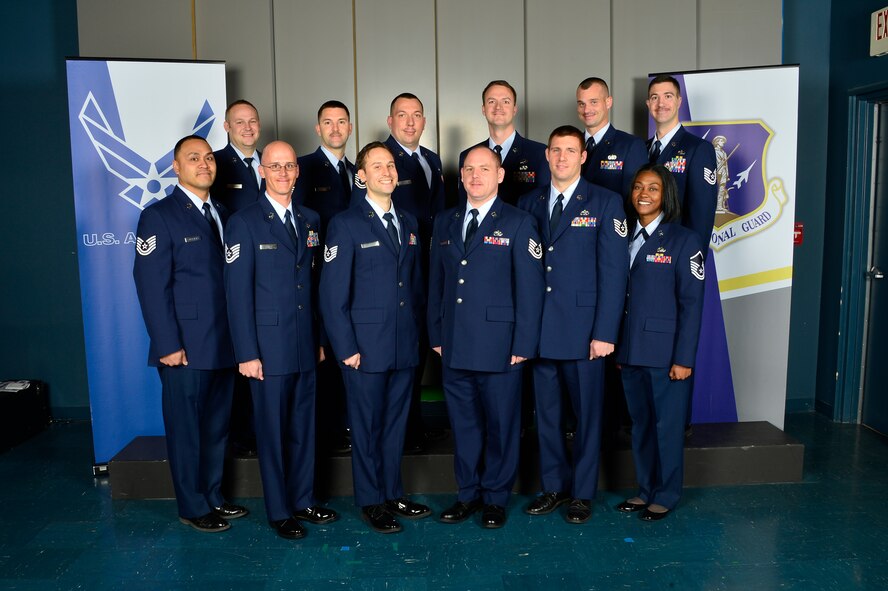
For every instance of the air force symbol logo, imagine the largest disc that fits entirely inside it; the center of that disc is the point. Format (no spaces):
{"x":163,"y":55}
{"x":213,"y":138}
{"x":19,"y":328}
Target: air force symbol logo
{"x":330,"y":253}
{"x":146,"y":246}
{"x":748,"y":201}
{"x":535,"y":249}
{"x":697,"y":266}
{"x":231,"y":253}
{"x":621,"y":228}
{"x":146,"y":180}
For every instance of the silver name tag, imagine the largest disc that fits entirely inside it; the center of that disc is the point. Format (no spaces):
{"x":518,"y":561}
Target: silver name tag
{"x":272,"y":246}
{"x":370,"y":244}
{"x":405,"y":182}
{"x":191,"y":239}
{"x":234,"y":186}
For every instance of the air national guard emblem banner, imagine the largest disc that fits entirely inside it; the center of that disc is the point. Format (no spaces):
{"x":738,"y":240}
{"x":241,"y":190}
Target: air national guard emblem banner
{"x":125,"y":117}
{"x":750,"y":116}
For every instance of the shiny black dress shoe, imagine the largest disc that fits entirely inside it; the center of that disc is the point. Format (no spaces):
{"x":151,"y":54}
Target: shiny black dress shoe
{"x":627,"y":507}
{"x":317,"y":515}
{"x":460,"y":511}
{"x":648,"y":515}
{"x":579,"y":511}
{"x":404,"y":507}
{"x":209,"y":523}
{"x":546,"y":503}
{"x":380,"y":520}
{"x":289,"y":528}
{"x":230,"y":511}
{"x":493,"y":517}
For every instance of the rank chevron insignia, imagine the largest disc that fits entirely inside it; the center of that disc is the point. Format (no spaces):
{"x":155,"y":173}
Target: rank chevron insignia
{"x":697,"y":266}
{"x":535,"y":248}
{"x":709,"y":176}
{"x":330,"y":253}
{"x":621,"y":228}
{"x":231,"y":253}
{"x":146,"y":246}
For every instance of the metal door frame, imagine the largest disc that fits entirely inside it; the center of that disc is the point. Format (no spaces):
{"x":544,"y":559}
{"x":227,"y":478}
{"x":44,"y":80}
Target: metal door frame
{"x":853,"y":307}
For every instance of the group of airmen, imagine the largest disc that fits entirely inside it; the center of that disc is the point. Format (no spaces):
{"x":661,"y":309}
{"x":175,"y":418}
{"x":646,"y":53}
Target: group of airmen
{"x":313,"y":276}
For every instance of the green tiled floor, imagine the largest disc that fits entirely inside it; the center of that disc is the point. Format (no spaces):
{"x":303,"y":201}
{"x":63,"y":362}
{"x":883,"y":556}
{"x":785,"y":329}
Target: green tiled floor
{"x":61,"y":530}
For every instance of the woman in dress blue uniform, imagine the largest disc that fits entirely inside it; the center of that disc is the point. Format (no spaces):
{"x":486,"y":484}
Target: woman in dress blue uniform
{"x":658,"y":339}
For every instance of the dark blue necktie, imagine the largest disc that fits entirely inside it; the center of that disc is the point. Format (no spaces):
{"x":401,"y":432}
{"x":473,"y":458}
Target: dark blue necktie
{"x":212,"y":221}
{"x":392,"y":230}
{"x":655,"y":151}
{"x":291,"y":229}
{"x":556,"y":214}
{"x":249,"y":162}
{"x":472,"y":228}
{"x":343,"y":178}
{"x":415,"y":157}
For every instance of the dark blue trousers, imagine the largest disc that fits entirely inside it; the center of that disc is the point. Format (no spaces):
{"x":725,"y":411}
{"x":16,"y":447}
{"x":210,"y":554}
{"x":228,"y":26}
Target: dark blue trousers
{"x":378,"y":405}
{"x":485,"y":415}
{"x":658,"y":407}
{"x":196,"y":411}
{"x":584,"y":381}
{"x":284,"y":409}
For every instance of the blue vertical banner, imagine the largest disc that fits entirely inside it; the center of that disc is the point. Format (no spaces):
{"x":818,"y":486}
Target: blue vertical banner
{"x":750,"y":115}
{"x":125,"y":117}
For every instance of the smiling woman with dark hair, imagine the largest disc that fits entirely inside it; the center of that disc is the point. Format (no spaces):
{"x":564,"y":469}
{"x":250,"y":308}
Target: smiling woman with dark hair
{"x":658,"y":339}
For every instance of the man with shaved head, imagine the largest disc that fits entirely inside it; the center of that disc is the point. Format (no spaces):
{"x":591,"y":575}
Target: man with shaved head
{"x":270,"y":251}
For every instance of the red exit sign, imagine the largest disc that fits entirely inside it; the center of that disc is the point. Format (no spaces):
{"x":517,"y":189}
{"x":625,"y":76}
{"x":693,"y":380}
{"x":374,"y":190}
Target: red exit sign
{"x":879,"y":32}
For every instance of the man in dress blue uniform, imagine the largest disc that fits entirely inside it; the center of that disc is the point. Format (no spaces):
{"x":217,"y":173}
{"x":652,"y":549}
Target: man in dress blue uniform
{"x":371,"y":292}
{"x":420,"y":192}
{"x":237,"y":185}
{"x":485,"y":303}
{"x":269,"y":255}
{"x":178,"y":275}
{"x":420,"y":189}
{"x":326,"y":176}
{"x":690,"y":159}
{"x":523,"y":160}
{"x":612,"y":156}
{"x":238,"y":182}
{"x":325,"y":185}
{"x":587,"y":263}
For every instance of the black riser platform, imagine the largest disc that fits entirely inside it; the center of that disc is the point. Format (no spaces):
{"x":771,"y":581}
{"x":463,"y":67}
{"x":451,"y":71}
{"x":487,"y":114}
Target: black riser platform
{"x":715,"y":455}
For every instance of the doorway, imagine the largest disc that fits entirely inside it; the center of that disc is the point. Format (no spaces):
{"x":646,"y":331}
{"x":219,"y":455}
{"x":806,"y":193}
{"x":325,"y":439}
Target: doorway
{"x":873,"y":412}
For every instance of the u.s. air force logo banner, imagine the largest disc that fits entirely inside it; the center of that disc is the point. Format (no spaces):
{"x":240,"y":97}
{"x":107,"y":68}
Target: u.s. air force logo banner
{"x":748,"y":201}
{"x":124,"y":122}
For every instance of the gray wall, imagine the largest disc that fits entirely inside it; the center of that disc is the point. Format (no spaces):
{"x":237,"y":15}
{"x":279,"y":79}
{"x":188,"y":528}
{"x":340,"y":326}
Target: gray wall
{"x":289,"y":56}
